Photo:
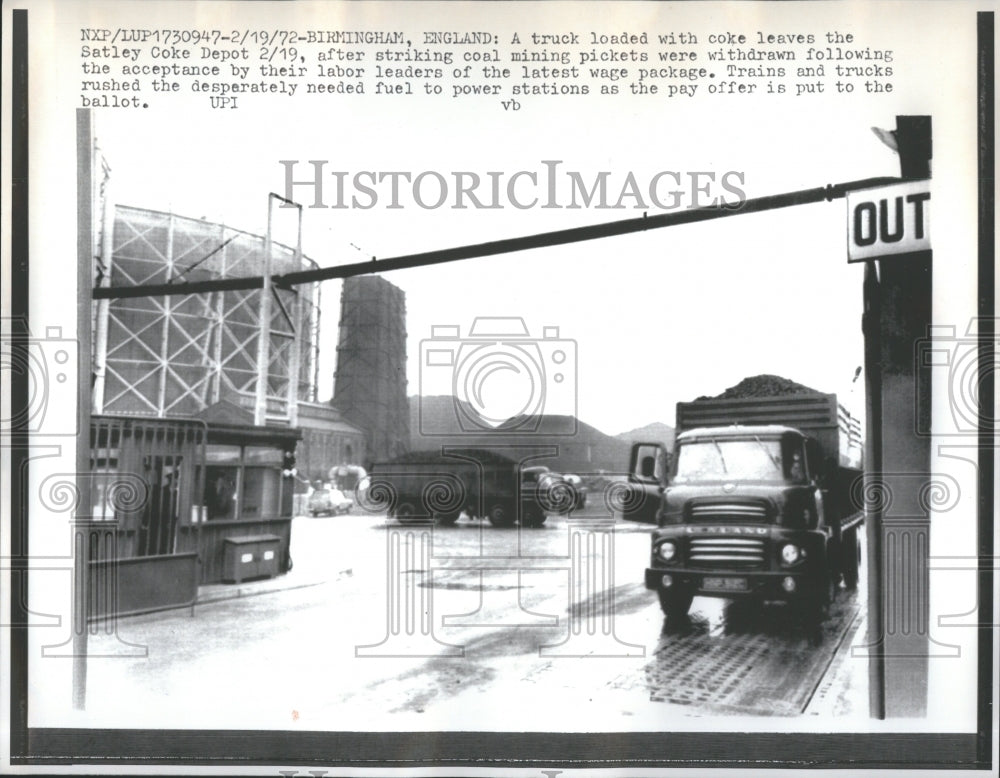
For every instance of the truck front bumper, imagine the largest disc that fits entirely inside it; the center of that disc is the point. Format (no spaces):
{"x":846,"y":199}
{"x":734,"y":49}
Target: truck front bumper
{"x":786,"y":585}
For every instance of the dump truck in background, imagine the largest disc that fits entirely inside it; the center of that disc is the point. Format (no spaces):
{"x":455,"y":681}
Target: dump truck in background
{"x":440,"y":486}
{"x":757,"y":502}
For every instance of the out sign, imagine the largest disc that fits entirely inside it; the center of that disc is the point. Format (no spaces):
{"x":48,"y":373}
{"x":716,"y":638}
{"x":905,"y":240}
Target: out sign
{"x":888,"y":220}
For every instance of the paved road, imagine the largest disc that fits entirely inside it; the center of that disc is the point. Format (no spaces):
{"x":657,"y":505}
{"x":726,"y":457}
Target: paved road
{"x":468,"y":627}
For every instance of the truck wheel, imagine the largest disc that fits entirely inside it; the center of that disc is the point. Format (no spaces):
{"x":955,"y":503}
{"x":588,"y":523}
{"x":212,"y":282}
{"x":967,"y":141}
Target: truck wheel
{"x":533,"y":517}
{"x":406,"y":514}
{"x":850,"y":556}
{"x":500,"y":515}
{"x":675,"y":602}
{"x":816,"y":604}
{"x":448,"y":518}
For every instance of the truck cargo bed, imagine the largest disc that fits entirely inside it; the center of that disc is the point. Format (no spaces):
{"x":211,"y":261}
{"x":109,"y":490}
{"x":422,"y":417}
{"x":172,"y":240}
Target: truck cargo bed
{"x":816,"y":414}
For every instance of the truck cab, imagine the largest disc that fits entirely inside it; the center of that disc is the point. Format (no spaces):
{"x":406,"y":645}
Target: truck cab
{"x":743,"y":514}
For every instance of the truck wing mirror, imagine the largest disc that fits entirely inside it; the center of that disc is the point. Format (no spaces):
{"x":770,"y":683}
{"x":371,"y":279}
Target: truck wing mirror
{"x":646,"y":462}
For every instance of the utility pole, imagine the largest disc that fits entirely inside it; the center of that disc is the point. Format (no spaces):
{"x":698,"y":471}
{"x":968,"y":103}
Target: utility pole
{"x":82,"y":521}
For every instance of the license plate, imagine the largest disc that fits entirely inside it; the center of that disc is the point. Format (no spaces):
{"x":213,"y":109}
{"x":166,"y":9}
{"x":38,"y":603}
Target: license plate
{"x":725,"y":584}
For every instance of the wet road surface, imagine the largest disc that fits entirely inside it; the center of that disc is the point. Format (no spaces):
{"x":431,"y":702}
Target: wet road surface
{"x":467,"y":627}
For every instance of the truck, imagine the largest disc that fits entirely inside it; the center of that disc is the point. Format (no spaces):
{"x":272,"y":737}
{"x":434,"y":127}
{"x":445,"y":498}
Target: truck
{"x":756,"y":502}
{"x":440,"y":486}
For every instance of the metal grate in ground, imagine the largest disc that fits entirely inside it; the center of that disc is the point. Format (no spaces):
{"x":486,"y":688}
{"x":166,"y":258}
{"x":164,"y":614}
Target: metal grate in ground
{"x":698,"y":671}
{"x":758,"y":661}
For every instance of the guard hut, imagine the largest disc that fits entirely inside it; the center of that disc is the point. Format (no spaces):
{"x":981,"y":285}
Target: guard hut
{"x":182,"y":502}
{"x":247,"y":496}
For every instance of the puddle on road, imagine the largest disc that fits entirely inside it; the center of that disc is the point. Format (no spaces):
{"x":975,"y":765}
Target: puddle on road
{"x":470,"y":587}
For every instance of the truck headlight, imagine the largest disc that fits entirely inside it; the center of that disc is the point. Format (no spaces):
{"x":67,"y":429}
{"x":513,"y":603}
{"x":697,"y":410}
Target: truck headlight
{"x":667,"y":551}
{"x":790,"y":554}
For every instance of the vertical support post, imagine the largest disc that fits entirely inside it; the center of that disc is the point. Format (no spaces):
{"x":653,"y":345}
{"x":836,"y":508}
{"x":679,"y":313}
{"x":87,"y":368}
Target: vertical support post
{"x":209,"y":353}
{"x":873,"y":466}
{"x":295,"y":355}
{"x":84,"y":283}
{"x":161,"y":400}
{"x":903,"y":408}
{"x":103,"y":306}
{"x":264,"y":331}
{"x":986,"y":310}
{"x":19,"y":388}
{"x":314,"y":312}
{"x":218,"y":324}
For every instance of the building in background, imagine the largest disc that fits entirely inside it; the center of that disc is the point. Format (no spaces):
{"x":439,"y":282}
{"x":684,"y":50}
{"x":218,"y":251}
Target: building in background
{"x":176,"y":355}
{"x":328,"y":441}
{"x":370,"y":380}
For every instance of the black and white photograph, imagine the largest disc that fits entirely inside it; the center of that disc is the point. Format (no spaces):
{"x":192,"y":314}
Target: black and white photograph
{"x":498,"y":388}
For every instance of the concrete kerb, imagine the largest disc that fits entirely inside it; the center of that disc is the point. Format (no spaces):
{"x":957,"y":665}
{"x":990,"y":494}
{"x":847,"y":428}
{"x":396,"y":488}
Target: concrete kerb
{"x":209,"y":593}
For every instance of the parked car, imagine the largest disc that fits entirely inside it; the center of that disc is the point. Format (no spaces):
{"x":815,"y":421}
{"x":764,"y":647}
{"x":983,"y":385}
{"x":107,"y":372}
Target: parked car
{"x":326,"y":501}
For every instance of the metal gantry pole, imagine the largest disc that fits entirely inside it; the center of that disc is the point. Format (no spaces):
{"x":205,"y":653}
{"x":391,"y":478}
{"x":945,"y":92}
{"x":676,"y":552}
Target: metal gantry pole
{"x":161,"y":399}
{"x":314,"y":334}
{"x":103,"y":306}
{"x":264,"y":325}
{"x":219,"y":327}
{"x":643,"y":223}
{"x":297,"y":333}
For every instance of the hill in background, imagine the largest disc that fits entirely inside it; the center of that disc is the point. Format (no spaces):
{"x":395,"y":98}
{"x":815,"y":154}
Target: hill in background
{"x":657,"y":432}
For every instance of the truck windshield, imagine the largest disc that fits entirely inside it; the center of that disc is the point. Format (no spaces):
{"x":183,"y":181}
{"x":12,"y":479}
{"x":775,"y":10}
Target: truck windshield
{"x":755,"y":459}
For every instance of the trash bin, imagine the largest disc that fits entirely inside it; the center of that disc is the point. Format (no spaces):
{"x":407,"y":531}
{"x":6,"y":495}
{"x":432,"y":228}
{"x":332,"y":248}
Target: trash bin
{"x":250,"y":556}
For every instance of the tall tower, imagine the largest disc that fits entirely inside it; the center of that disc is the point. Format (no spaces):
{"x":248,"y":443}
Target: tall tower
{"x":370,"y":382}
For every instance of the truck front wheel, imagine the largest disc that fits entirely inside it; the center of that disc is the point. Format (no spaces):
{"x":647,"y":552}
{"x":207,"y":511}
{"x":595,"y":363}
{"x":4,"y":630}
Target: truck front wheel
{"x":533,"y":516}
{"x":448,"y":517}
{"x":406,"y":513}
{"x":675,"y":602}
{"x":815,"y":606}
{"x":850,"y":556}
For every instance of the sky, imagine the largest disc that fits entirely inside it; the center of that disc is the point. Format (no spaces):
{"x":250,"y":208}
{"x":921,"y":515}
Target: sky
{"x":655,"y":318}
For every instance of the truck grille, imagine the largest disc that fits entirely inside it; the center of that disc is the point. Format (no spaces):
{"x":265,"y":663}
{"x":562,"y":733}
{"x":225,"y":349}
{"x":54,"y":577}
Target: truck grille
{"x":730,"y":511}
{"x":730,"y":553}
